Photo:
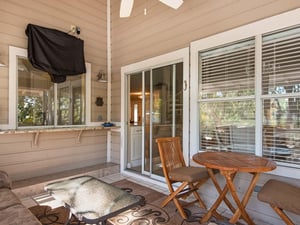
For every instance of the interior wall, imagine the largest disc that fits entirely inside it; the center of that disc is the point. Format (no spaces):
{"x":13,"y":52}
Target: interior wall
{"x":55,"y":151}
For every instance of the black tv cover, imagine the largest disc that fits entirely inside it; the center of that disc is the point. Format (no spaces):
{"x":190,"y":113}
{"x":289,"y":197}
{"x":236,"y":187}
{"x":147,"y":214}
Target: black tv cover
{"x":55,"y":52}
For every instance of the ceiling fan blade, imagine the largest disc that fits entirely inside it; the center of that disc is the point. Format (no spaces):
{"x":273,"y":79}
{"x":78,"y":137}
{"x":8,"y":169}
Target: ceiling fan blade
{"x":125,"y":8}
{"x":175,"y":4}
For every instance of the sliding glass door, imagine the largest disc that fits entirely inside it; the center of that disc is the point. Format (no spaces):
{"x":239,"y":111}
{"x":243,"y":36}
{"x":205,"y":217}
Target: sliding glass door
{"x":154,"y":103}
{"x":155,"y":109}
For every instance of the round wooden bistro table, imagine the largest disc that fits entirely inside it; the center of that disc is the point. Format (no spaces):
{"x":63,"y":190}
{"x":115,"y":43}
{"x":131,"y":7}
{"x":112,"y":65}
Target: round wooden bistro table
{"x":229,"y":164}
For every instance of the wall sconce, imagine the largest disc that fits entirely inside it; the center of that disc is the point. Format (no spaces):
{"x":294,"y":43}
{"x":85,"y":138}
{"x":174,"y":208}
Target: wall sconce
{"x":101,"y":76}
{"x":99,"y":101}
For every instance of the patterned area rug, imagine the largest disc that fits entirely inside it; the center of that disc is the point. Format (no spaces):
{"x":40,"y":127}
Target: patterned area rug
{"x":56,"y":216}
{"x":149,"y":214}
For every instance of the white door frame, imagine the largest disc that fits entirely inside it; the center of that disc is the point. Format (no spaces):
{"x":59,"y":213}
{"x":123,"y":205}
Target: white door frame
{"x":181,"y":55}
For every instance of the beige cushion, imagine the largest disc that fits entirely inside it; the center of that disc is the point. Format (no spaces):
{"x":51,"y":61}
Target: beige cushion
{"x":17,"y":215}
{"x":4,"y":180}
{"x":283,"y":195}
{"x":8,"y":198}
{"x":190,"y":174}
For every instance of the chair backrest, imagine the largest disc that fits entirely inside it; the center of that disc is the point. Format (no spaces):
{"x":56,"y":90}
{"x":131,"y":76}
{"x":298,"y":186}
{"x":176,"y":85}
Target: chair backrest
{"x":170,"y":152}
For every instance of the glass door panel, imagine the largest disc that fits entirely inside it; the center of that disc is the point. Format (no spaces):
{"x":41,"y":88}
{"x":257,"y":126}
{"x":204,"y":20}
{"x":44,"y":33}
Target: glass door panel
{"x":155,"y":109}
{"x":161,"y":111}
{"x":147,"y":124}
{"x":134,"y":124}
{"x":166,"y":108}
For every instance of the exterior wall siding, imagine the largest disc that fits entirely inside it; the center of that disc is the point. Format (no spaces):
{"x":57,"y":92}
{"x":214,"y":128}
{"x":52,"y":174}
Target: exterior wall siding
{"x":163,"y":30}
{"x":134,"y":39}
{"x":115,"y":147}
{"x":55,"y":151}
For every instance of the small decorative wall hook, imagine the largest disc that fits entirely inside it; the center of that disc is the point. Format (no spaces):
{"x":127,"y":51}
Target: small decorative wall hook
{"x":101,"y":76}
{"x":99,"y":101}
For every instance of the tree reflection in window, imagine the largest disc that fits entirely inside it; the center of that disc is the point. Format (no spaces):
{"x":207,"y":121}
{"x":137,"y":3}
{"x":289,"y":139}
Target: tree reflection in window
{"x":36,"y":98}
{"x":30,"y":111}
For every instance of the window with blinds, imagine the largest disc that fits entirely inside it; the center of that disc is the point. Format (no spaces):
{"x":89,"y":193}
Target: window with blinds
{"x":248,"y":94}
{"x":226,"y":97}
{"x":281,"y":95}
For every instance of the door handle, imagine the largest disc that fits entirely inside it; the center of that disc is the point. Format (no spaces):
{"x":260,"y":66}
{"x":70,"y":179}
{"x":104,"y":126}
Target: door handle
{"x":184,"y":85}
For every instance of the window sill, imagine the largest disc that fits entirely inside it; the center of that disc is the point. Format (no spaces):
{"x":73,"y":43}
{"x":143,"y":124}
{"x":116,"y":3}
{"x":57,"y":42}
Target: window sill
{"x":286,"y":170}
{"x":37,"y":132}
{"x":48,"y":130}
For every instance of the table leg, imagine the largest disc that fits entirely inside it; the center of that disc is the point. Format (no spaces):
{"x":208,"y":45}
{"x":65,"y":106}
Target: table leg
{"x":217,"y":186}
{"x":222,"y":197}
{"x":249,"y":191}
{"x":241,"y":211}
{"x":69,"y":218}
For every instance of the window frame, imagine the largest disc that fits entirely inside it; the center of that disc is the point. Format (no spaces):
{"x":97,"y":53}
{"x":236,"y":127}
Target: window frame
{"x":13,"y":88}
{"x":256,"y":30}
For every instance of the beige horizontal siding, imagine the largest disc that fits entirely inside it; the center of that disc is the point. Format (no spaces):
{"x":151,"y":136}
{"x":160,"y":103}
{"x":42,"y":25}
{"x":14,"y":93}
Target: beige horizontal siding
{"x":115,"y":147}
{"x":53,"y":152}
{"x":91,"y":18}
{"x":20,"y":156}
{"x":163,"y":29}
{"x":99,"y":89}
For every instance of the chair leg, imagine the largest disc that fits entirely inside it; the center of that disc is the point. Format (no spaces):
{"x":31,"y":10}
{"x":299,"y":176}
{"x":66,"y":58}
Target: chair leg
{"x":197,"y":196}
{"x":282,"y":215}
{"x":180,"y":208}
{"x":173,"y":194}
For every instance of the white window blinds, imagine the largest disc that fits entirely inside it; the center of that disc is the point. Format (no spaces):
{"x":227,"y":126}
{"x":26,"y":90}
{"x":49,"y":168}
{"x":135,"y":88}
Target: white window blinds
{"x":281,"y":95}
{"x":281,"y":62}
{"x":227,"y":105}
{"x":227,"y":71}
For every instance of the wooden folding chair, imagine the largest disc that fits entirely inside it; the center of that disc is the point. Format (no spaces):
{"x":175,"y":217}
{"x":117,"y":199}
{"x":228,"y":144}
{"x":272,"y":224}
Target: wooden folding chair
{"x":175,"y":170}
